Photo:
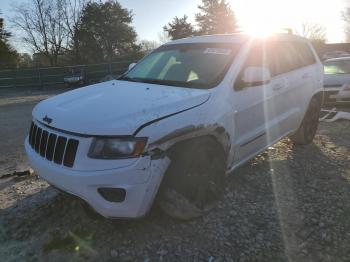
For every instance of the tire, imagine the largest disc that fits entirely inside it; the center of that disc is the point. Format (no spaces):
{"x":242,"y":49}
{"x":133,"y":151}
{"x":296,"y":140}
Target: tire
{"x":194,"y":181}
{"x":307,"y":131}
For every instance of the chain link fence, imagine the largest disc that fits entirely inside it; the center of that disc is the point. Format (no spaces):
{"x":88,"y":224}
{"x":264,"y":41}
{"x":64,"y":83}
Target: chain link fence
{"x":51,"y":77}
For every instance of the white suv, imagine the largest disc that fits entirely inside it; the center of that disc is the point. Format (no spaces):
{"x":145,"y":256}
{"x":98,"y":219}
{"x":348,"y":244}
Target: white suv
{"x":178,"y":121}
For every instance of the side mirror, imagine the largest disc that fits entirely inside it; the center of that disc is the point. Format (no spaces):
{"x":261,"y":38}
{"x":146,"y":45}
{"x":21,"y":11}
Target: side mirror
{"x":254,"y":76}
{"x":131,"y":66}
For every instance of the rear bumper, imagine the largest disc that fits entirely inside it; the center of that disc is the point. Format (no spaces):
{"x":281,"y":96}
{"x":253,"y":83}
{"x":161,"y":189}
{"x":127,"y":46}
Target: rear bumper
{"x":85,"y":184}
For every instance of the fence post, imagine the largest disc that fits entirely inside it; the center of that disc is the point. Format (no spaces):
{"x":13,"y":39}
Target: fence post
{"x":39,"y":75}
{"x":15,"y":78}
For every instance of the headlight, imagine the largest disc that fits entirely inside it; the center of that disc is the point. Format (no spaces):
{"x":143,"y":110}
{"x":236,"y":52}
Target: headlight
{"x":116,"y":148}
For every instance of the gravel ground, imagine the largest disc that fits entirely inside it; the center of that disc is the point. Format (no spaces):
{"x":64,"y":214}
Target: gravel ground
{"x":15,"y":116}
{"x":286,"y":204}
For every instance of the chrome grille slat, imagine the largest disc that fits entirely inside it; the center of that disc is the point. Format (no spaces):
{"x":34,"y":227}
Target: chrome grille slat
{"x":31,"y":132}
{"x":57,"y":148}
{"x":51,"y":147}
{"x":70,"y":153}
{"x":33,"y":136}
{"x":37,"y":139}
{"x":43,"y":144}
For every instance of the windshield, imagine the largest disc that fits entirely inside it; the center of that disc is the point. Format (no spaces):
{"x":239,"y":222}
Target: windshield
{"x":337,"y":67}
{"x":189,"y":65}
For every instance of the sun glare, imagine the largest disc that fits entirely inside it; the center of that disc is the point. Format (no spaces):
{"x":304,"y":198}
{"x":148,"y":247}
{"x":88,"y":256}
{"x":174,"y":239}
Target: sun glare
{"x":262,"y":18}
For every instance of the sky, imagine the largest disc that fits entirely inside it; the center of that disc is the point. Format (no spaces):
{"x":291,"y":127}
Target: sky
{"x":253,"y":15}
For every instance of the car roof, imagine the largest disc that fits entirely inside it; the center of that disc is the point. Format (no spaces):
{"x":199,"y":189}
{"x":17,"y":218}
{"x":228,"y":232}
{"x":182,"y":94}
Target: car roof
{"x":344,"y":58}
{"x":232,"y":38}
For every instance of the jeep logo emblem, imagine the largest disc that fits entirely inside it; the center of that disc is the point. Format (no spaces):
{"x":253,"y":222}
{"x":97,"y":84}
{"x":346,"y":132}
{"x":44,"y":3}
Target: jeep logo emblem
{"x":47,"y":119}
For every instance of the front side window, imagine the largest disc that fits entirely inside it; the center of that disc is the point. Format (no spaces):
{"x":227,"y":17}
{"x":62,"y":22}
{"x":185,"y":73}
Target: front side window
{"x":337,"y":67}
{"x":260,"y":55}
{"x":185,"y":65}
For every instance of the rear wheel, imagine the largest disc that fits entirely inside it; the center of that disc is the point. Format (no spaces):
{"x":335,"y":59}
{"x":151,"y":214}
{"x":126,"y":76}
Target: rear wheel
{"x":194,"y":181}
{"x":307,"y":131}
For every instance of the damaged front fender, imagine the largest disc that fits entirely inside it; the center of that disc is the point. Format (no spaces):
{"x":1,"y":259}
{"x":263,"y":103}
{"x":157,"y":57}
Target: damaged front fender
{"x":158,"y":148}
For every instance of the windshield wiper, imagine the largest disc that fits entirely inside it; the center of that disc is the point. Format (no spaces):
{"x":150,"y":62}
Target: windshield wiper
{"x":131,"y":79}
{"x":162,"y":82}
{"x":169,"y":82}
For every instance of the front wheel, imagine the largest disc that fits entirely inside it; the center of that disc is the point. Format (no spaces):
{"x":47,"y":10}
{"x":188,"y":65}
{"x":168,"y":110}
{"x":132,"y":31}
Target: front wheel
{"x":194,"y":181}
{"x":307,"y":131}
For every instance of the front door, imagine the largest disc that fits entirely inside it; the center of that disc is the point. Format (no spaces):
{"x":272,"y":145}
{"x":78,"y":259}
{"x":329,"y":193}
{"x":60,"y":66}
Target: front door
{"x":258,"y":109}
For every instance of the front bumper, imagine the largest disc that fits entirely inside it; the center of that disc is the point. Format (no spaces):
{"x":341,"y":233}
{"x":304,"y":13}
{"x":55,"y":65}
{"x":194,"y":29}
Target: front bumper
{"x":85,"y":184}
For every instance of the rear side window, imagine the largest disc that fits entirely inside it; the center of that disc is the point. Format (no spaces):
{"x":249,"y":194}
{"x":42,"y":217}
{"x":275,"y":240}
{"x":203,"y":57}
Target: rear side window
{"x":285,"y":58}
{"x":289,"y":56}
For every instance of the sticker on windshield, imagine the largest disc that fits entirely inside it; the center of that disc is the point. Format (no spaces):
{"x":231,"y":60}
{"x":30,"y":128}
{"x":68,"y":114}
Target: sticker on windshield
{"x":217,"y":51}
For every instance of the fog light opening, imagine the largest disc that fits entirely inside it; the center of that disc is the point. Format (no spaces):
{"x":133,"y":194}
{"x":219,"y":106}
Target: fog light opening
{"x":115,"y":195}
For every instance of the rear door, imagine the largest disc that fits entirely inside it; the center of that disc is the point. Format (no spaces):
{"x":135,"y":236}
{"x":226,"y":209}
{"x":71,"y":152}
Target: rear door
{"x":286,"y":67}
{"x":310,"y":77}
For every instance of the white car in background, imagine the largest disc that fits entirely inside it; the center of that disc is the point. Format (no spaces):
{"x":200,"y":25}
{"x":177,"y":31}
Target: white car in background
{"x":337,"y":80}
{"x":335,"y":54}
{"x":177,"y":122}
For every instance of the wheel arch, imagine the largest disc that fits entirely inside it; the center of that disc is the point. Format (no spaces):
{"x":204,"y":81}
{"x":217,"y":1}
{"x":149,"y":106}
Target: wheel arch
{"x":184,"y":138}
{"x":186,"y":144}
{"x":319,"y":95}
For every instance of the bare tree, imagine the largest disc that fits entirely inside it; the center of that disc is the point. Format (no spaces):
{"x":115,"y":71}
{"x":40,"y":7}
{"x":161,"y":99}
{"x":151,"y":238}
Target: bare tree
{"x":148,"y":46}
{"x":316,"y":33}
{"x":346,"y":19}
{"x":72,"y":11}
{"x":48,"y":26}
{"x":163,"y":37}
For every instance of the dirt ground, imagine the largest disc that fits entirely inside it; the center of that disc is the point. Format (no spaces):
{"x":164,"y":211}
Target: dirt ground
{"x":289,"y":203}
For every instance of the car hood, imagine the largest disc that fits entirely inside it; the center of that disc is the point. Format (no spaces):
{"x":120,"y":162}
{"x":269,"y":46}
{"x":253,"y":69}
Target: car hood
{"x":116,"y":107}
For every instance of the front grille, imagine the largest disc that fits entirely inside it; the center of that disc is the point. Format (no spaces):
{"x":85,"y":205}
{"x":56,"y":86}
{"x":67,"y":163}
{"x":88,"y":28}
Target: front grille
{"x":56,"y":148}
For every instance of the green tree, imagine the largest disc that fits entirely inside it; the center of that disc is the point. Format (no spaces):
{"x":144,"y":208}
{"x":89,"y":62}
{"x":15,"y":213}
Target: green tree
{"x":105,"y":32}
{"x":8,"y":56}
{"x":216,"y":17}
{"x":179,"y":28}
